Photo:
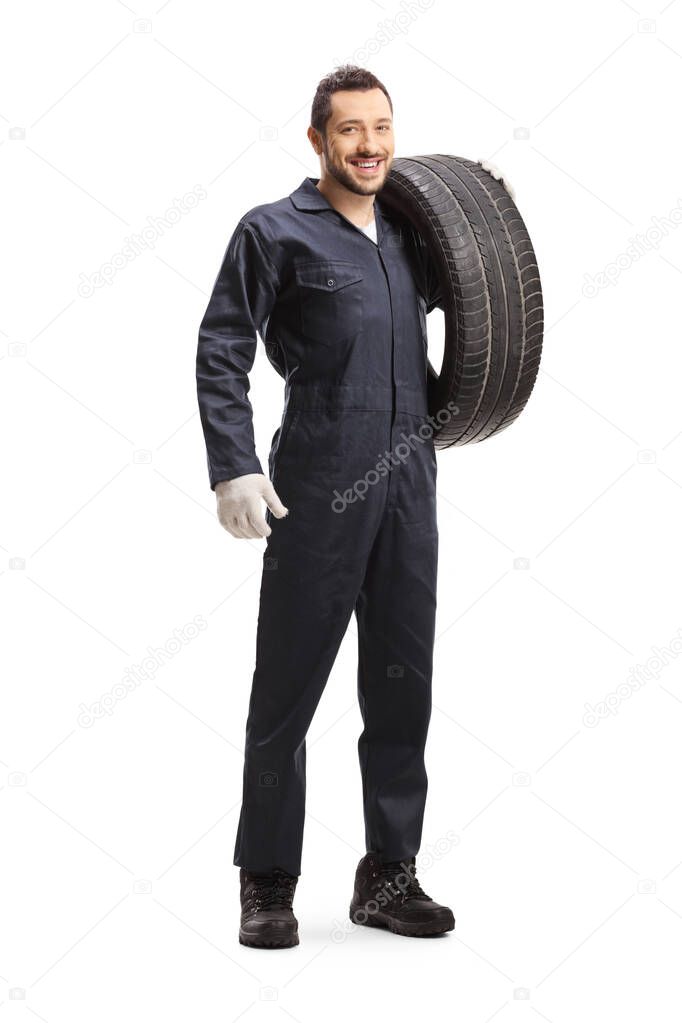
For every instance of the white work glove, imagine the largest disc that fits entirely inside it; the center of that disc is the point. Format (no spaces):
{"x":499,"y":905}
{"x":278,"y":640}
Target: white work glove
{"x":493,"y":169}
{"x":239,"y":505}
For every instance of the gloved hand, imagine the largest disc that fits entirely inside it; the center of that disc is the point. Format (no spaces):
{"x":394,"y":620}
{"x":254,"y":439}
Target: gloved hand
{"x":239,"y":505}
{"x":493,"y":169}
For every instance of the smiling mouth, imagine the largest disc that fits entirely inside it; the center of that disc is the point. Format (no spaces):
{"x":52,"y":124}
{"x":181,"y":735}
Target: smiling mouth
{"x":367,"y":166}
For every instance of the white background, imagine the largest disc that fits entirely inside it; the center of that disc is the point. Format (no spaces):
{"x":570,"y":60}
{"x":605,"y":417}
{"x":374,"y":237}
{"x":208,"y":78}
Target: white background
{"x":120,"y":900}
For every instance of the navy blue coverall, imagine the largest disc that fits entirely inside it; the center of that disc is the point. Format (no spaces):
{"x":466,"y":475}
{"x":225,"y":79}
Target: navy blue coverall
{"x":344,"y":323}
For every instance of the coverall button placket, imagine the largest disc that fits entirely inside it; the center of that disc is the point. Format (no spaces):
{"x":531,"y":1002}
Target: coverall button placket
{"x":390,"y":497}
{"x":361,"y":533}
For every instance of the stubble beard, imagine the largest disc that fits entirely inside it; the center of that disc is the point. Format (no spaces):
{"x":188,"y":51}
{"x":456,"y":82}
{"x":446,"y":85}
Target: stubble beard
{"x":340,"y":173}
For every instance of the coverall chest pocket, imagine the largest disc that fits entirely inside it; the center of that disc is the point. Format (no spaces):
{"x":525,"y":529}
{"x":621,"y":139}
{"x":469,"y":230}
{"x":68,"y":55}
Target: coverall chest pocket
{"x":331,"y":299}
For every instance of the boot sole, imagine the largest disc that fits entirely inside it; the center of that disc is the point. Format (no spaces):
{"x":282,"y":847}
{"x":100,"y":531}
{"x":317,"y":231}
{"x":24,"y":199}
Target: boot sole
{"x":264,"y":942}
{"x":423,"y":930}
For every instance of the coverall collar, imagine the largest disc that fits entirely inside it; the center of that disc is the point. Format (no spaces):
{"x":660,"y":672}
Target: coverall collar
{"x":308,"y":197}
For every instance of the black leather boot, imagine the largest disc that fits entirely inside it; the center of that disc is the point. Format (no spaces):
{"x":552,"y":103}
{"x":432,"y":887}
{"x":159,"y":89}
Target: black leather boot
{"x":387,"y":894}
{"x":267,"y":919}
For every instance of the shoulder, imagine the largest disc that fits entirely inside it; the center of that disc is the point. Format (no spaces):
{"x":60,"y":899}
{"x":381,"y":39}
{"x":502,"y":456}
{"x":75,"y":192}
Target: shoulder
{"x":267,"y":219}
{"x":258,"y":235}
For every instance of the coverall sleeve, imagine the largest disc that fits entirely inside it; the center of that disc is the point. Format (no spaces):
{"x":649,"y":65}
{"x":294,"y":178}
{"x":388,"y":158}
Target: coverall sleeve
{"x":434,"y":295}
{"x":243,"y":295}
{"x":428,"y":277}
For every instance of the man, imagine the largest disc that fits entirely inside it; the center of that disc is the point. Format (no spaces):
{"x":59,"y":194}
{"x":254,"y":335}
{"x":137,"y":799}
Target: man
{"x":338,"y":287}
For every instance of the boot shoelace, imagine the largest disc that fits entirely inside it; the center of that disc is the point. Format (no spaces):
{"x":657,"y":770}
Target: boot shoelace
{"x":275,"y":890}
{"x":408,"y":890}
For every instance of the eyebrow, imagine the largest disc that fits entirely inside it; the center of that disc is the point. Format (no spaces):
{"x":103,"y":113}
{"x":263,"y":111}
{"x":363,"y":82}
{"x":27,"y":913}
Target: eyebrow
{"x":357,"y":120}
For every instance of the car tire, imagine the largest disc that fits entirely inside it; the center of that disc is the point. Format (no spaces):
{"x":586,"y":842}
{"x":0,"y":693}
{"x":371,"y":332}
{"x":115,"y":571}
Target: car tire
{"x":490,"y":284}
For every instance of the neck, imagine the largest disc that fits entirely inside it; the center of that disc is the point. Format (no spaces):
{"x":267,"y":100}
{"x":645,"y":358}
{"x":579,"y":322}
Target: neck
{"x":359,"y":209}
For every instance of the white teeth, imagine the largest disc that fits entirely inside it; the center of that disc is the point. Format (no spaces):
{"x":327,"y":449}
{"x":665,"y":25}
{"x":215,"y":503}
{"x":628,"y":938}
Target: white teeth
{"x":365,"y":163}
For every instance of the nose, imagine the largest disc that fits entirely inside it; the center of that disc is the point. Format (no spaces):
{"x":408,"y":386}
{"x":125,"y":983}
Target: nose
{"x":371,"y":143}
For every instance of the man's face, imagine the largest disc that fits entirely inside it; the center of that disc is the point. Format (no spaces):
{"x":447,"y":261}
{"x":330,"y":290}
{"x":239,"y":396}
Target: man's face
{"x":359,"y":130}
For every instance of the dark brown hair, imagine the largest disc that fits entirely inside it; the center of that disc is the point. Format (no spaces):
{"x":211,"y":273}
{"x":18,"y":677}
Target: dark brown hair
{"x":345,"y":76}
